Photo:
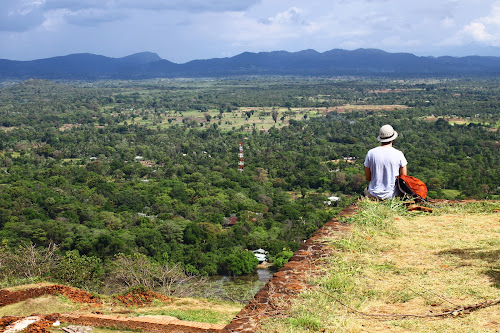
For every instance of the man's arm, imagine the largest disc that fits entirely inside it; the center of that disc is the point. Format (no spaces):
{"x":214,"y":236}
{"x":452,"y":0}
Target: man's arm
{"x":368,"y":174}
{"x":403,"y":171}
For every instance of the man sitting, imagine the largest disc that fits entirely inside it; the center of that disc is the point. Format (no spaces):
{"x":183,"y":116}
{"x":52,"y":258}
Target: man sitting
{"x":382,"y":165}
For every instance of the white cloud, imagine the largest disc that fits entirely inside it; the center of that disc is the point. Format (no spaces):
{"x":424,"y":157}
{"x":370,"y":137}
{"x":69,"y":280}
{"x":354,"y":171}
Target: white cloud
{"x":179,"y":5}
{"x":477,"y":31}
{"x":289,"y":16}
{"x":240,"y":29}
{"x":26,"y":7}
{"x":484,"y":30}
{"x":94,"y":17}
{"x":20,"y":15}
{"x":54,"y":19}
{"x":182,"y":30}
{"x":23,"y":15}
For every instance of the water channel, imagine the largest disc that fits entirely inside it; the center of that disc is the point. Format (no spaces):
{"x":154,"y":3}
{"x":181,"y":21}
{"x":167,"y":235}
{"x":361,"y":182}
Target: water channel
{"x":235,"y":288}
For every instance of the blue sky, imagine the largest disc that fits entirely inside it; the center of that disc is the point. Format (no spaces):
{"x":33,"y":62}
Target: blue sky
{"x":184,"y":30}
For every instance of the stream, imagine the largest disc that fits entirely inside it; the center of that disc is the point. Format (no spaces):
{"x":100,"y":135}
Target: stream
{"x":235,"y":288}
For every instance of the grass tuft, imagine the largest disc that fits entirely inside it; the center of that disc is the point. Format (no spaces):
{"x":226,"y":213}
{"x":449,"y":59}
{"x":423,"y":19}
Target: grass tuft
{"x":308,"y":322}
{"x":376,"y":214}
{"x":199,"y":315}
{"x":41,"y":305}
{"x":474,"y":207}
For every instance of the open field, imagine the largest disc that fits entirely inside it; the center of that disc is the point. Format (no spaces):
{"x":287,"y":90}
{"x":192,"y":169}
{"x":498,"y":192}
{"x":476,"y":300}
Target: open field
{"x":451,"y":194}
{"x":362,"y":107}
{"x":400,"y":272}
{"x":466,"y":121}
{"x":249,"y":118}
{"x":394,"y":90}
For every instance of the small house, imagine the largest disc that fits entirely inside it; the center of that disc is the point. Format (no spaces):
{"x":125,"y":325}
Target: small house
{"x":260,"y":254}
{"x":230,"y":221}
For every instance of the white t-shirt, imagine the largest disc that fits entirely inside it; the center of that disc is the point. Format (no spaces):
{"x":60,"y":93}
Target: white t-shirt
{"x":384,"y":163}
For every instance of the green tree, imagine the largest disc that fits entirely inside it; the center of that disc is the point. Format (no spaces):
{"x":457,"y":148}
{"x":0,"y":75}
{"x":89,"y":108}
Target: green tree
{"x":80,"y":271}
{"x":239,"y":263}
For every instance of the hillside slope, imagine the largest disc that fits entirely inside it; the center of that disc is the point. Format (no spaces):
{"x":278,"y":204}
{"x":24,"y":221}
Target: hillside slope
{"x":392,"y":270}
{"x":406,"y":271}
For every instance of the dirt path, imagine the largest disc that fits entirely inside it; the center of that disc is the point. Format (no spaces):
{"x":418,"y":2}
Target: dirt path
{"x":39,"y":324}
{"x":146,"y":323}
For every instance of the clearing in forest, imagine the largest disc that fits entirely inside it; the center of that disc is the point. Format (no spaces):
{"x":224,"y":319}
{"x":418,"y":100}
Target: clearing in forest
{"x":250,"y":118}
{"x":362,"y":107}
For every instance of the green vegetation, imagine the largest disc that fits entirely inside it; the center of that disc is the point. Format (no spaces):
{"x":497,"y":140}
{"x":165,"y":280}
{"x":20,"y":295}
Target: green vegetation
{"x":397,"y":263}
{"x":450,"y":194}
{"x":112,"y":330}
{"x":199,"y":315}
{"x":190,"y":309}
{"x":146,"y":172}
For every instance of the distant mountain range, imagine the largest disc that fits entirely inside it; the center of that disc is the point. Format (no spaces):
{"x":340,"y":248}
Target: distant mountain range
{"x":145,"y":65}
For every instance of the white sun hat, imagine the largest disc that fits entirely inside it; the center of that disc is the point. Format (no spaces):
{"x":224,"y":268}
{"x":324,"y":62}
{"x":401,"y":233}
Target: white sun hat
{"x":387,"y":134}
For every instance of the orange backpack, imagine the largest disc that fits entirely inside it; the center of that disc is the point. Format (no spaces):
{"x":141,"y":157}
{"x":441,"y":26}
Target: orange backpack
{"x":412,"y":187}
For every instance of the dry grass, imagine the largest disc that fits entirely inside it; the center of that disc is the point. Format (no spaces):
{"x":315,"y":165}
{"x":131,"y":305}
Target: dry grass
{"x":200,"y":310}
{"x":31,"y":285}
{"x":41,"y":305}
{"x":261,"y":118}
{"x":368,"y":107}
{"x":406,"y":264}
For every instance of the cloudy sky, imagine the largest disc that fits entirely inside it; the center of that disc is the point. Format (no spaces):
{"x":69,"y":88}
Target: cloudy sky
{"x":184,"y":30}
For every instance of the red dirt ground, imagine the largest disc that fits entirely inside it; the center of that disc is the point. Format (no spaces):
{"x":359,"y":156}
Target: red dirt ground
{"x":7,"y":320}
{"x":41,"y":326}
{"x":37,"y":327}
{"x":75,"y":295}
{"x":133,"y":298}
{"x":141,"y":298}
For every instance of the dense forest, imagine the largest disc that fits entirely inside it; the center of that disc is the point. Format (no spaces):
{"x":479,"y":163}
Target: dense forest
{"x":102,"y":171}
